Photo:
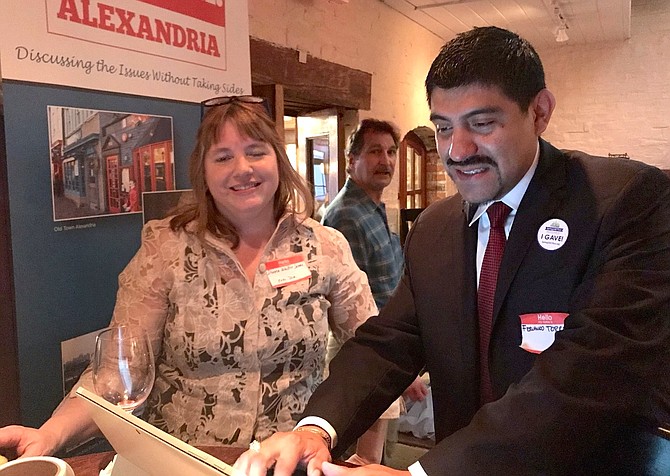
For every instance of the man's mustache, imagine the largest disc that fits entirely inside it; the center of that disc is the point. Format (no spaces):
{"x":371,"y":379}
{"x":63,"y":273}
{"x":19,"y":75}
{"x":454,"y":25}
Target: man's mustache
{"x":383,"y":170}
{"x":474,"y":160}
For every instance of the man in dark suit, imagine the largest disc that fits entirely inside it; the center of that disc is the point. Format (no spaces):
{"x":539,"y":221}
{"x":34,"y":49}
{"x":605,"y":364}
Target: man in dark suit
{"x":575,"y":353}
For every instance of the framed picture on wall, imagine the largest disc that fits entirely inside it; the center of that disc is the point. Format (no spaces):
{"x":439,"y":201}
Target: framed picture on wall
{"x":102,"y":161}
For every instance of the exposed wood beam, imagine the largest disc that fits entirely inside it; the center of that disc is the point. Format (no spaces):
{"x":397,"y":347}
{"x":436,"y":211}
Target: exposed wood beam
{"x":317,"y":82}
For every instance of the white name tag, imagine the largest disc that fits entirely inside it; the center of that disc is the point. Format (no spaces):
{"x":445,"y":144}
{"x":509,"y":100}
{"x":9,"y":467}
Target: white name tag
{"x":285,"y":271}
{"x":538,"y":330}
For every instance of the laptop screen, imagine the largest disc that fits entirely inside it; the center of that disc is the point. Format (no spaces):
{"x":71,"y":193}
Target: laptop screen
{"x":143,"y":448}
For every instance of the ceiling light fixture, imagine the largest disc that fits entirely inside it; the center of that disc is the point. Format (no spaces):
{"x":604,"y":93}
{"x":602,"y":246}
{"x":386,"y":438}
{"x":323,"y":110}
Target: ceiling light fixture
{"x":440,"y":4}
{"x":561,"y":31}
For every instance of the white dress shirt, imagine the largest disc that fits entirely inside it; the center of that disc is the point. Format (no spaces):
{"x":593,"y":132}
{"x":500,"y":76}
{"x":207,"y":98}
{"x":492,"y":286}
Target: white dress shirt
{"x":512,"y":199}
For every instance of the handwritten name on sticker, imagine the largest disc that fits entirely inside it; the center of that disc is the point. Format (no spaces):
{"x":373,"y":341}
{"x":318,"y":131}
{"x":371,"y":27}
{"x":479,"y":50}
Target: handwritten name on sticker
{"x":538,"y":331}
{"x":285,"y":271}
{"x":553,"y":234}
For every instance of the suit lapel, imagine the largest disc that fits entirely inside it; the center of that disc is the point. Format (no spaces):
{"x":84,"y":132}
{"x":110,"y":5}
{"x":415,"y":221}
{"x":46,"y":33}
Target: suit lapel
{"x":545,"y":193}
{"x":468,"y":295}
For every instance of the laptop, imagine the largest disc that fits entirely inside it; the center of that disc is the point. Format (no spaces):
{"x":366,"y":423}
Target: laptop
{"x":144,"y":450}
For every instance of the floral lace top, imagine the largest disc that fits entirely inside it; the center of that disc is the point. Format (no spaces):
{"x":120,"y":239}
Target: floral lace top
{"x":234,"y":360}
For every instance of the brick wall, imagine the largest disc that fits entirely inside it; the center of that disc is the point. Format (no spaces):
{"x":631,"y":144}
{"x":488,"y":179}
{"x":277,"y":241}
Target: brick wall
{"x":615,"y":97}
{"x":365,"y":35}
{"x":438,"y":183}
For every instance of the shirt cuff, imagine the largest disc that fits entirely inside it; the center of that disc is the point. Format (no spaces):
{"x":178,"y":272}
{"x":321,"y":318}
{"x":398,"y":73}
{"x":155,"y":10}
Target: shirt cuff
{"x":323,"y":424}
{"x":416,"y":469}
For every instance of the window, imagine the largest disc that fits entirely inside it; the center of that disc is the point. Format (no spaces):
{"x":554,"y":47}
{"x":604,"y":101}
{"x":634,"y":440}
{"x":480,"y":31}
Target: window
{"x":412,"y":172}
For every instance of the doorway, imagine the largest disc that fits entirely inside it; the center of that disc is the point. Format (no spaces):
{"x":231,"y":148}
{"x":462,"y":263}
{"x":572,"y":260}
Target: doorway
{"x":310,"y":98}
{"x":412,"y":172}
{"x":318,"y":156}
{"x":113,"y":185}
{"x":312,"y":144}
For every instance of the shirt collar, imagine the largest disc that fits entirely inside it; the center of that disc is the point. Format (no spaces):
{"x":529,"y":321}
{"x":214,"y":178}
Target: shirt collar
{"x":356,"y":192}
{"x":513,"y":198}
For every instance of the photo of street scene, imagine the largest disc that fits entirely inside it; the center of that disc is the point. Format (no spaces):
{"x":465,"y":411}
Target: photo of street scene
{"x":102,"y":161}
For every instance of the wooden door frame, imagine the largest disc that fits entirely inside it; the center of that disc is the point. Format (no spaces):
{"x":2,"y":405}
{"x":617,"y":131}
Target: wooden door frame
{"x":114,"y":175}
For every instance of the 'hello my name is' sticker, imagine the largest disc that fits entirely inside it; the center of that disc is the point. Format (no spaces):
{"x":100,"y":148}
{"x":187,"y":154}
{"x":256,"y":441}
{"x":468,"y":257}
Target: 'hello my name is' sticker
{"x":538,"y":330}
{"x":285,"y":271}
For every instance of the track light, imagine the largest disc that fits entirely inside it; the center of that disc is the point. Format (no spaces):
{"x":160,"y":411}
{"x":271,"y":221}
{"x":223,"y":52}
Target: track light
{"x":561,"y":31}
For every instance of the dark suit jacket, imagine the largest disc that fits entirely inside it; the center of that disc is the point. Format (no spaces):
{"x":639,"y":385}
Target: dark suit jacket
{"x":608,"y":368}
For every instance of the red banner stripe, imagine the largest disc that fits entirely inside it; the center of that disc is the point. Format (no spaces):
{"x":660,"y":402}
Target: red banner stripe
{"x":200,"y":9}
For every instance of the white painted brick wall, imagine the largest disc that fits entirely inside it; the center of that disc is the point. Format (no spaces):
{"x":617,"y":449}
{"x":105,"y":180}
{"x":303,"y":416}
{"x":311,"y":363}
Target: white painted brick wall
{"x":615,"y":97}
{"x":362,"y":34}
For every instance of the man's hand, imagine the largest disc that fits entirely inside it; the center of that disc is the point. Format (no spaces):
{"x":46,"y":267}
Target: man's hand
{"x":417,"y":391}
{"x":285,"y":451}
{"x":330,"y":469}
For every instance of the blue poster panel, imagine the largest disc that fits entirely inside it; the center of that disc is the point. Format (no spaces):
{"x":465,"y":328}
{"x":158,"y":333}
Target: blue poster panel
{"x":75,"y":160}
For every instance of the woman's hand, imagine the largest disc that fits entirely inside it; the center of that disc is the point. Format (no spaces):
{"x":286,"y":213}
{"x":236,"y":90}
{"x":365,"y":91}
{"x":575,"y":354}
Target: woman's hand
{"x":26,"y":441}
{"x":285,"y":451}
{"x":69,"y":426}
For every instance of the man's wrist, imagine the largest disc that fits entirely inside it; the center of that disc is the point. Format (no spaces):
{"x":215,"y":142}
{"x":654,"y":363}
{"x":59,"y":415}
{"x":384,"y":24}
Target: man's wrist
{"x":317,"y":430}
{"x":322,"y":424}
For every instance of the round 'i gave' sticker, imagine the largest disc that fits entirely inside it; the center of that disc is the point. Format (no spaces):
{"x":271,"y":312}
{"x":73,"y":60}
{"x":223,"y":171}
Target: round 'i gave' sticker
{"x":552,"y":234}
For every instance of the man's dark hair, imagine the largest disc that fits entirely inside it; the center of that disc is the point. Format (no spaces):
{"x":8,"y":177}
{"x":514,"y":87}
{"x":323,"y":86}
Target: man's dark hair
{"x":357,"y":138}
{"x":489,"y":56}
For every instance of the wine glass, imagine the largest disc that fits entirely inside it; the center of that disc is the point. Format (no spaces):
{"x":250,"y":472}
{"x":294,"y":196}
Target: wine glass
{"x":123,"y":366}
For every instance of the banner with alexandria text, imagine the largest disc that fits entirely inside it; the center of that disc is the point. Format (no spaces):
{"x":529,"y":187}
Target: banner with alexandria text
{"x":186,"y":50}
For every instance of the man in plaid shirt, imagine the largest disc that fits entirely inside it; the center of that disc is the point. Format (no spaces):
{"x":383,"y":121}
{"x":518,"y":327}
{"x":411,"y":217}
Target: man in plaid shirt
{"x":358,"y":211}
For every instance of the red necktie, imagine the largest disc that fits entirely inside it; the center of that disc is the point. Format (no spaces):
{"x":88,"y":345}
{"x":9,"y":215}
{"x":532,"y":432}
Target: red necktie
{"x":488,"y":278}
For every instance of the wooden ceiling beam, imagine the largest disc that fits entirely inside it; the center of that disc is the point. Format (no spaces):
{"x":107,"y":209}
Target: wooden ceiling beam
{"x":315,"y":81}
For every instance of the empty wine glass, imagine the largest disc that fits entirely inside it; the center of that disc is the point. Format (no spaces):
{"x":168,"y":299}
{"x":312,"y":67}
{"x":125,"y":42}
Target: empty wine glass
{"x":123,"y":366}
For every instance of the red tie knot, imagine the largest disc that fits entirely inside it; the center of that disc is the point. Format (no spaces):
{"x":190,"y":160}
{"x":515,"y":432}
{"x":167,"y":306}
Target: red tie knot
{"x":498,"y":213}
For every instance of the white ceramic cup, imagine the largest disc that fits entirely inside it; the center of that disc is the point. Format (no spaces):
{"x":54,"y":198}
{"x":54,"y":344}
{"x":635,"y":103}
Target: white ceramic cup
{"x":36,"y":466}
